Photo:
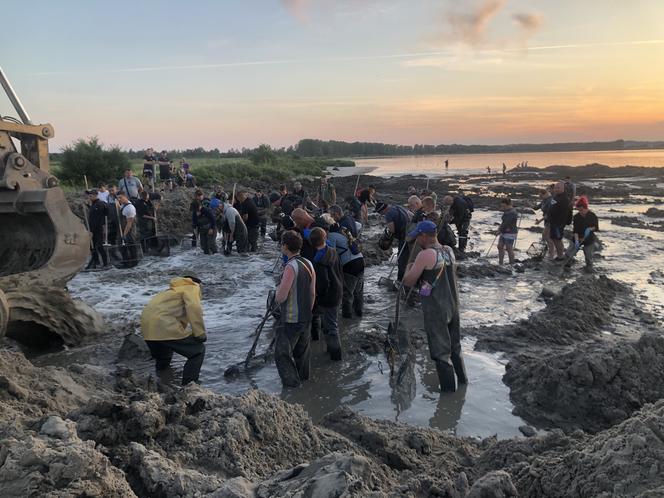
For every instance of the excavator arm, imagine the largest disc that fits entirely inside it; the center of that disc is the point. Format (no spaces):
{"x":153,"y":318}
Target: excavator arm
{"x":41,"y":241}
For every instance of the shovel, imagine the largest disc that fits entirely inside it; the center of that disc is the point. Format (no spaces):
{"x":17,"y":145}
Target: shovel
{"x":389,"y":281}
{"x":236,"y":369}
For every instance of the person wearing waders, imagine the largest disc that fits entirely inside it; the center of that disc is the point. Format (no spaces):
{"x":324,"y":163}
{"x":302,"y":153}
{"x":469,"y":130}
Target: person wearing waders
{"x":460,"y":214}
{"x":295,"y":296}
{"x":97,"y":215}
{"x":127,"y":217}
{"x":397,"y":219}
{"x":235,"y":231}
{"x":585,"y":224}
{"x":507,"y":231}
{"x":172,"y":322}
{"x":329,"y":290}
{"x":352,"y":264}
{"x":434,"y":269}
{"x":204,"y":223}
{"x":560,"y":215}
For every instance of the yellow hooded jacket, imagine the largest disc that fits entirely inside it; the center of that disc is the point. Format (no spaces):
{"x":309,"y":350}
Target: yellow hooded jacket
{"x":167,"y":315}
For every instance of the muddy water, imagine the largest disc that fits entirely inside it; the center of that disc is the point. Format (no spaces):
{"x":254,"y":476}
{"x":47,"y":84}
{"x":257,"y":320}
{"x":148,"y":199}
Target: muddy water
{"x":234,"y":302}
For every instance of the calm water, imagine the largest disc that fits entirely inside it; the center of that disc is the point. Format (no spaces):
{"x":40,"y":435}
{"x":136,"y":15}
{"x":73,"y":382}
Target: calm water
{"x":474,"y":163}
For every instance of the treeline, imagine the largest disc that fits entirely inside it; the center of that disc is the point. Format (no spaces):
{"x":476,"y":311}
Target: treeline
{"x":334,"y":148}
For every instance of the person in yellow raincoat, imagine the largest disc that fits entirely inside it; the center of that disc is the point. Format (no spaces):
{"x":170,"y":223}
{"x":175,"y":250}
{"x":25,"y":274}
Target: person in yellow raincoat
{"x":173,"y":322}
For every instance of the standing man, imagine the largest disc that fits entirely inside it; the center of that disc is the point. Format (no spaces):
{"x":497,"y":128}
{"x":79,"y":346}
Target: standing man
{"x":203,"y":222}
{"x":295,"y":294}
{"x":249,"y":213}
{"x":570,"y":190}
{"x":329,"y":290}
{"x":327,"y":192}
{"x":397,"y":219}
{"x":102,"y":192}
{"x":435,"y":269}
{"x":97,"y":215}
{"x":234,"y":229}
{"x":263,"y":205}
{"x":460,"y":213}
{"x":504,"y":169}
{"x":545,"y":205}
{"x":172,"y":322}
{"x":130,"y":185}
{"x":145,"y":216}
{"x":447,"y":164}
{"x":507,"y":231}
{"x":149,"y":161}
{"x":585,"y":224}
{"x":165,"y":170}
{"x":127,"y":218}
{"x":300,"y":194}
{"x":559,"y":216}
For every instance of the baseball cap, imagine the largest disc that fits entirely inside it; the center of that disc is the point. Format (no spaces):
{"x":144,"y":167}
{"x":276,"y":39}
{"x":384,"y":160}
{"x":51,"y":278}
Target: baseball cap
{"x":92,"y":192}
{"x":274,"y":197}
{"x":425,"y":226}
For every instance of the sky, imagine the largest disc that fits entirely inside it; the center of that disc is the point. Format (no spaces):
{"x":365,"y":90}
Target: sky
{"x":237,"y":73}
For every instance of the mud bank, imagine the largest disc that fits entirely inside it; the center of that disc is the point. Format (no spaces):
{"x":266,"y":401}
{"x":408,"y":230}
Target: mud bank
{"x":575,"y":314}
{"x":88,"y":432}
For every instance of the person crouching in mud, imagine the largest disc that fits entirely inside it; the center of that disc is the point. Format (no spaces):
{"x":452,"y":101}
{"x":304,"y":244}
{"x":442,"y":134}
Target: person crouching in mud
{"x":295,"y":294}
{"x":173,"y":322}
{"x":434,"y":269}
{"x":585,"y":224}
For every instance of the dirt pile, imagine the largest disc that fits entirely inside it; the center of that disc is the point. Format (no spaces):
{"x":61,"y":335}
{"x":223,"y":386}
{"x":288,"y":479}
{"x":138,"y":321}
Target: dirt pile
{"x":591,"y":387}
{"x":625,"y":460}
{"x":633,"y":222}
{"x":576,"y":314}
{"x":38,"y":316}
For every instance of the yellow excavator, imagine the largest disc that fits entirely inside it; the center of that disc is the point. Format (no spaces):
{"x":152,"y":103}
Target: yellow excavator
{"x":42,"y":243}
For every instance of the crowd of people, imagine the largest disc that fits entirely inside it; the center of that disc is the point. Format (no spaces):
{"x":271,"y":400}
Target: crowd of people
{"x":322,"y":261}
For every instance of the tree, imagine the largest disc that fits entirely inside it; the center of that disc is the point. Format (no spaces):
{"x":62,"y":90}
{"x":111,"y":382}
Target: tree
{"x":89,"y":158}
{"x":263,"y":154}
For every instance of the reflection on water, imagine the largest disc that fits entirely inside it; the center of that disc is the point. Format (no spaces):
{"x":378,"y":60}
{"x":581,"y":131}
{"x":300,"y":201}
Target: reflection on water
{"x":472,"y":163}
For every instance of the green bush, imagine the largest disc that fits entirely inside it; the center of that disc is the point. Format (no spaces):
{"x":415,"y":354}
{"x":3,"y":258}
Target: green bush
{"x":281,"y":170}
{"x":89,"y":158}
{"x":263,"y":155}
{"x":337,"y":163}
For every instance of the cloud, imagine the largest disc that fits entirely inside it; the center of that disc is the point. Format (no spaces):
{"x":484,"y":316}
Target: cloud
{"x":528,"y":22}
{"x":298,"y":8}
{"x":470,"y":27}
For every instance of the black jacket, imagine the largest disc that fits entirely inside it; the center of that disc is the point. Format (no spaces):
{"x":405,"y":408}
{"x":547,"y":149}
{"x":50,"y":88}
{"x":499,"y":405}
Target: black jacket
{"x":560,"y":211}
{"x":249,"y":208}
{"x":97,"y":215}
{"x":205,"y":221}
{"x":459,"y":211}
{"x":329,"y":278}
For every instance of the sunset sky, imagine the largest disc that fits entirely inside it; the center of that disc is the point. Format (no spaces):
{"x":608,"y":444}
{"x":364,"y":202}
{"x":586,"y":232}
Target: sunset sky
{"x":239,"y":73}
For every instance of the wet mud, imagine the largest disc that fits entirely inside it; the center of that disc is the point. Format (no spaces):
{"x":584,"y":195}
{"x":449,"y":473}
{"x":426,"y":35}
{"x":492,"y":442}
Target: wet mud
{"x":581,"y":357}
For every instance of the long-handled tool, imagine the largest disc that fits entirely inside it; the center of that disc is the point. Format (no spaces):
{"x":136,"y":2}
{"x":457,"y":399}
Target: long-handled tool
{"x":357,"y":184}
{"x":236,"y":368}
{"x":389,"y":281}
{"x":491,"y":246}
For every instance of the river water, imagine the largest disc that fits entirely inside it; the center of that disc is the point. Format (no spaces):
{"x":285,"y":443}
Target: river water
{"x":474,"y":163}
{"x":234,"y":302}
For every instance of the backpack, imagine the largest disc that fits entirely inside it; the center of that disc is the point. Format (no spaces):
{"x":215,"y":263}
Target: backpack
{"x":469,"y":203}
{"x":353,"y":243}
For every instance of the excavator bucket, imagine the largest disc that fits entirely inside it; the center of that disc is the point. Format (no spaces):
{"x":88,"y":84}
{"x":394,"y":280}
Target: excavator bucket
{"x":42,"y":242}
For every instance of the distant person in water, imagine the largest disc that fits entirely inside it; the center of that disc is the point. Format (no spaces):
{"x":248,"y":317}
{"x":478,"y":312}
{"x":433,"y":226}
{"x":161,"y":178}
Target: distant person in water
{"x":447,"y":163}
{"x":504,"y":169}
{"x":488,"y":170}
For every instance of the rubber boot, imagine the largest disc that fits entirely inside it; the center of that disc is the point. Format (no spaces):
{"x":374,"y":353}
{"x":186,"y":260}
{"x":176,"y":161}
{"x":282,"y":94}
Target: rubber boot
{"x":346,"y":309}
{"x":459,"y":368}
{"x":446,"y":377}
{"x":333,"y":347}
{"x":316,"y":327}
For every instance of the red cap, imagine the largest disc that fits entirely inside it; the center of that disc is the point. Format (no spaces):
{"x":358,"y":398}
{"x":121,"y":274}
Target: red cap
{"x":582,"y":202}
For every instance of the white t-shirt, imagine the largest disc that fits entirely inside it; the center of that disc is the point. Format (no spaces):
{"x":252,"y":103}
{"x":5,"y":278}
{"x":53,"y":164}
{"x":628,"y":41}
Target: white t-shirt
{"x":128,"y":211}
{"x":103,"y":196}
